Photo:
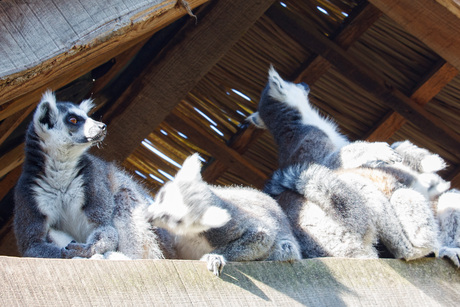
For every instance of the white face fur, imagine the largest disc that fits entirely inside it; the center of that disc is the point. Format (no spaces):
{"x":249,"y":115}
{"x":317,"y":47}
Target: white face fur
{"x":171,"y":211}
{"x":296,"y":96}
{"x":66,"y":129}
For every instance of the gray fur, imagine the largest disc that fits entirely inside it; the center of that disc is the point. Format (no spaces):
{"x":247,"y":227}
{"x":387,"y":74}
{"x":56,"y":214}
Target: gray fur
{"x":326,"y":198}
{"x":448,"y":215}
{"x":219,"y":224}
{"x":342,"y":213}
{"x":69,"y":203}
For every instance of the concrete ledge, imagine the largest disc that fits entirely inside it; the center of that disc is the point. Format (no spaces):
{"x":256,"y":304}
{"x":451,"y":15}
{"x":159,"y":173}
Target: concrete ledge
{"x":312,"y":282}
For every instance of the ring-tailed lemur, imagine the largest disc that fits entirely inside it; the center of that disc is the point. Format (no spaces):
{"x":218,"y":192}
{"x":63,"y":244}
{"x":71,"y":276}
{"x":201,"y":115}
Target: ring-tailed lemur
{"x":69,"y":203}
{"x":310,"y":144}
{"x":219,"y":224}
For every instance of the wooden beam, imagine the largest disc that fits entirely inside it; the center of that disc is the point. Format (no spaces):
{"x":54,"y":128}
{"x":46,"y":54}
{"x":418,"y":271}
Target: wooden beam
{"x":11,"y":160}
{"x":9,"y":181}
{"x":435,"y":23}
{"x":177,"y":70}
{"x":217,"y":148}
{"x":316,"y":66}
{"x":363,"y":76}
{"x":434,"y":82}
{"x":22,"y":89}
{"x":11,"y":123}
{"x":239,"y":143}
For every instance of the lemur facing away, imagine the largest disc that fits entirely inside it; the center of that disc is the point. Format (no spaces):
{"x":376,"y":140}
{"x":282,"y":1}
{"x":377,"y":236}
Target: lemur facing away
{"x":69,"y":203}
{"x":326,"y":187}
{"x":219,"y":224}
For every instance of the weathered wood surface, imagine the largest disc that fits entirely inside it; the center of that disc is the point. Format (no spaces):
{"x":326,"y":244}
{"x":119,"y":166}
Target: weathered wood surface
{"x":46,"y":44}
{"x":313,"y":282}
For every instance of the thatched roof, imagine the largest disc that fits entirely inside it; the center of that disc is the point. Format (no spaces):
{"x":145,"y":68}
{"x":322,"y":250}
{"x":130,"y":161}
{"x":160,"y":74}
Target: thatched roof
{"x":180,"y":85}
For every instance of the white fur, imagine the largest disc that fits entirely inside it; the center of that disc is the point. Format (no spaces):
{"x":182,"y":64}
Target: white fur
{"x":295,"y":97}
{"x":86,"y":105}
{"x":200,"y":246}
{"x":215,"y":217}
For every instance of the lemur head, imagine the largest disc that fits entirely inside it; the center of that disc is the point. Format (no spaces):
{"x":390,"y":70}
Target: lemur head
{"x":277,"y":97}
{"x":186,"y":205}
{"x":64,"y":126}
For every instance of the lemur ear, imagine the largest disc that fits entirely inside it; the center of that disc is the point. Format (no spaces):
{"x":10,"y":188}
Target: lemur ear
{"x":274,"y":78}
{"x":215,"y":217}
{"x":86,"y":105}
{"x":255,"y":119}
{"x":191,"y":169}
{"x":46,"y":112}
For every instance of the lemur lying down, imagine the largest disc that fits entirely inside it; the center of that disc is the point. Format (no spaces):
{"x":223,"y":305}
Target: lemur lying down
{"x":69,"y":203}
{"x":340,"y":196}
{"x":219,"y":224}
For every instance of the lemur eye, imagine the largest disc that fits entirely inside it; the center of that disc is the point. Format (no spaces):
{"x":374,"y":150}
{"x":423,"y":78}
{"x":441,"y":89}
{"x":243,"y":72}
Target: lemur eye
{"x":73,"y":120}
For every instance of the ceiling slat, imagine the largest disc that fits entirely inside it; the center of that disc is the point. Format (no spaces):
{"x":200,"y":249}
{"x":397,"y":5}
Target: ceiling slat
{"x":435,"y":23}
{"x":360,"y":74}
{"x":165,"y":82}
{"x":440,"y":76}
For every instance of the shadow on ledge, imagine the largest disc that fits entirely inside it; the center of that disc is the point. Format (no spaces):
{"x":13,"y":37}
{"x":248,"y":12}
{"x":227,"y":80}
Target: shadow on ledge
{"x":312,"y":282}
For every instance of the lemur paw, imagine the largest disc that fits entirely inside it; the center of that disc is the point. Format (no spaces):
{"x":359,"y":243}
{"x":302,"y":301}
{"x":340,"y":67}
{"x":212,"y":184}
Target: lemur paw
{"x":215,"y":263}
{"x":452,"y":253}
{"x":73,"y":250}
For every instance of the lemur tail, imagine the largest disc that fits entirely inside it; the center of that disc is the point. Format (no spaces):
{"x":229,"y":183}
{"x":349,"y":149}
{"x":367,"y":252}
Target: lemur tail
{"x":298,"y":178}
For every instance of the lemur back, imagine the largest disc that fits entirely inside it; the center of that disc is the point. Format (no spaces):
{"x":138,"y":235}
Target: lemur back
{"x":291,"y":120}
{"x":94,"y":205}
{"x":219,"y":224}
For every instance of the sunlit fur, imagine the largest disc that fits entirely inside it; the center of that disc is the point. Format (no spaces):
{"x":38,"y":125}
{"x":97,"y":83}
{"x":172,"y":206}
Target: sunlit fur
{"x":316,"y":204}
{"x":219,"y":224}
{"x":69,"y":203}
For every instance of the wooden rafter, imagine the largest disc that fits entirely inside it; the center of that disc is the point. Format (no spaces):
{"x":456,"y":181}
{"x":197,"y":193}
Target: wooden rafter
{"x":360,"y":74}
{"x":435,"y":81}
{"x":167,"y":80}
{"x":317,"y":65}
{"x":435,"y":23}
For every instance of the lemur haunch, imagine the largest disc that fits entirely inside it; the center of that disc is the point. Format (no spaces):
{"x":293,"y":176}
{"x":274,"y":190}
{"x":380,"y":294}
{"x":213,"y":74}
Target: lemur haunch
{"x":69,"y":203}
{"x":219,"y":224}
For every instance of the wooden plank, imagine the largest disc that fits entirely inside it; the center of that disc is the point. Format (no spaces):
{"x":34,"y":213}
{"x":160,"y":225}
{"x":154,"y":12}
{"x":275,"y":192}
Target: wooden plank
{"x":433,"y":83}
{"x":316,"y":282}
{"x":20,"y":90}
{"x":363,"y":76}
{"x":217,"y":148}
{"x":9,"y":181}
{"x":11,"y":123}
{"x":121,"y":61}
{"x":435,"y":23}
{"x":11,"y":160}
{"x":316,"y":66}
{"x":177,"y":70}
